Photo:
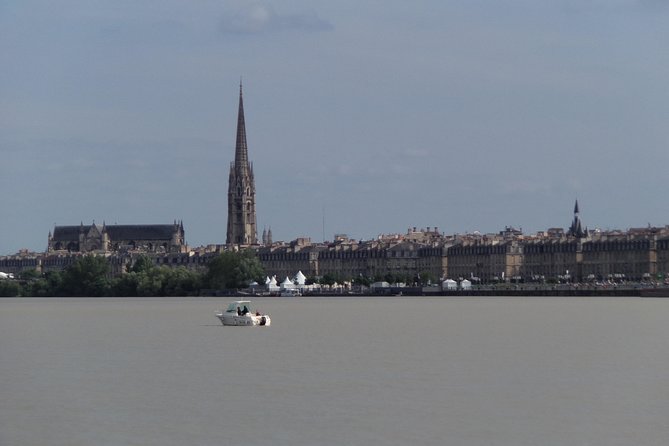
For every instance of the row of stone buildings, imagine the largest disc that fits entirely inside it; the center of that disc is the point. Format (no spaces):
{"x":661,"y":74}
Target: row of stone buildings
{"x":634,"y":255}
{"x":553,"y":255}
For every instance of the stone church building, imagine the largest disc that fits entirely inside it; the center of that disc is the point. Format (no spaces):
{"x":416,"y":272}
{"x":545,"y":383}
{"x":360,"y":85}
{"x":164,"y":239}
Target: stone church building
{"x":115,"y":238}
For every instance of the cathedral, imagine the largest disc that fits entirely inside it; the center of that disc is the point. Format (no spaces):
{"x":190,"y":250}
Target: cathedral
{"x":241,"y":190}
{"x":114,"y":238}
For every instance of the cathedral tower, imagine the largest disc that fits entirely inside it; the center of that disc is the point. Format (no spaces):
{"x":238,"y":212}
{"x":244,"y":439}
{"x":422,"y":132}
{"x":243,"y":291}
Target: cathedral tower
{"x":576,"y":229}
{"x":241,"y":190}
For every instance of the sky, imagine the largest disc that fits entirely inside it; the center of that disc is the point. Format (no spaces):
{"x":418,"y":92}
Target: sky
{"x":362,"y":118}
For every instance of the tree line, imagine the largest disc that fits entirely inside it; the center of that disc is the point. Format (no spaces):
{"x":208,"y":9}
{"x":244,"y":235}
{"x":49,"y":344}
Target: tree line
{"x":88,"y":276}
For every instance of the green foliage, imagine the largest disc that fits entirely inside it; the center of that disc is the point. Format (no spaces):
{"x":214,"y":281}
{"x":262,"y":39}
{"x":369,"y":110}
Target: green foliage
{"x":328,"y":279}
{"x":126,"y":285}
{"x":54,"y":283}
{"x":142,"y":264}
{"x":398,"y":278}
{"x":232,"y":270}
{"x":152,"y":282}
{"x":86,"y":277}
{"x":49,"y":285}
{"x":29,"y":274}
{"x":183,"y":282}
{"x":9,"y":288}
{"x":36,"y":288}
{"x":157,"y":281}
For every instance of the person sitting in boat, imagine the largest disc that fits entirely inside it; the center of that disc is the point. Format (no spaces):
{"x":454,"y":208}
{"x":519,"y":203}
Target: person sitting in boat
{"x":239,"y":311}
{"x":245,"y":311}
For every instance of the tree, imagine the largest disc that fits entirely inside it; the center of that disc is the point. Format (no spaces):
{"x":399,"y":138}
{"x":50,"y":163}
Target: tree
{"x":142,"y":264}
{"x":232,"y":270}
{"x":9,"y":288}
{"x":328,"y":279}
{"x":29,"y":274}
{"x":153,"y":281}
{"x":48,"y":285}
{"x":182,"y":282}
{"x":126,"y":285}
{"x":425,"y":277}
{"x":86,"y":277}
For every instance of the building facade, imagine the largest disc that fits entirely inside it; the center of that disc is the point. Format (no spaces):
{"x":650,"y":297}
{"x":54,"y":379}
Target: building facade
{"x":114,"y":238}
{"x":620,"y":258}
{"x":485,"y":261}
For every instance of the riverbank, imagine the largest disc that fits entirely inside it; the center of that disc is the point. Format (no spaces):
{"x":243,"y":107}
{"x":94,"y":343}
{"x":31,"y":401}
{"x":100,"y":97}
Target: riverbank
{"x":519,"y":291}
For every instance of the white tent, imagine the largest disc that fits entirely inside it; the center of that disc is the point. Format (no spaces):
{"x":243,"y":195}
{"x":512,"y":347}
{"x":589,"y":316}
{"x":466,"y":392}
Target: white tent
{"x":272,"y":285}
{"x":287,"y":284}
{"x":465,"y":284}
{"x":449,"y":284}
{"x":300,"y":278}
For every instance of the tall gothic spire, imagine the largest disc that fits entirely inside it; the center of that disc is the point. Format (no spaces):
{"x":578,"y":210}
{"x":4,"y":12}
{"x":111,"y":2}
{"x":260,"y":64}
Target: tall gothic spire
{"x":241,"y":148}
{"x":241,"y":189}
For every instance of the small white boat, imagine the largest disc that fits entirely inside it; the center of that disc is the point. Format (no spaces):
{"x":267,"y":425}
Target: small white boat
{"x":240,"y":312}
{"x":291,"y":292}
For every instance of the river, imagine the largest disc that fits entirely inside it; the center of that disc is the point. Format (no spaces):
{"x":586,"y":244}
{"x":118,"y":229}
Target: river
{"x":335,"y":371}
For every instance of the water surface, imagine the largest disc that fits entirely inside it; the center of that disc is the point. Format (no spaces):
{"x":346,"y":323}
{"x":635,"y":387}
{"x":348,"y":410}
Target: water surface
{"x":335,"y":371}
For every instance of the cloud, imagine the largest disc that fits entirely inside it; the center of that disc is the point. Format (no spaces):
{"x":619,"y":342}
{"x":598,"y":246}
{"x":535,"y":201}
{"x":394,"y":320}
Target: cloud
{"x":259,"y":19}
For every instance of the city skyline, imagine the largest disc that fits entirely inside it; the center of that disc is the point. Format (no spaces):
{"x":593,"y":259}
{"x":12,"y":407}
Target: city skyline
{"x":465,"y":117}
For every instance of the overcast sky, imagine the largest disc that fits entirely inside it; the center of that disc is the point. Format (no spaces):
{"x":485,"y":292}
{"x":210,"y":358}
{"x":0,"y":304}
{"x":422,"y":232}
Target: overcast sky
{"x":363,"y":117}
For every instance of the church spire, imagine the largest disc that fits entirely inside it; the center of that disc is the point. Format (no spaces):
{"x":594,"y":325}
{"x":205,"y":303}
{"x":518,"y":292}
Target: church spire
{"x":241,"y":189}
{"x":241,"y":148}
{"x":576,"y":229}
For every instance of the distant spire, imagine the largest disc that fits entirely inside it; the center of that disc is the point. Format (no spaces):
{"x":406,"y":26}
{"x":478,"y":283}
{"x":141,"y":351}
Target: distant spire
{"x":241,"y":148}
{"x":576,"y":229}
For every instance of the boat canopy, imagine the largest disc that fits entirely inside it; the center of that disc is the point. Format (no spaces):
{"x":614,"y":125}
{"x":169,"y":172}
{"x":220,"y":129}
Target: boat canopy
{"x":232,"y":308}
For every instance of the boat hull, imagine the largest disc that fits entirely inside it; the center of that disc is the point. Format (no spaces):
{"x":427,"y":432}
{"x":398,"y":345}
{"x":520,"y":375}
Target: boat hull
{"x":246,"y":320}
